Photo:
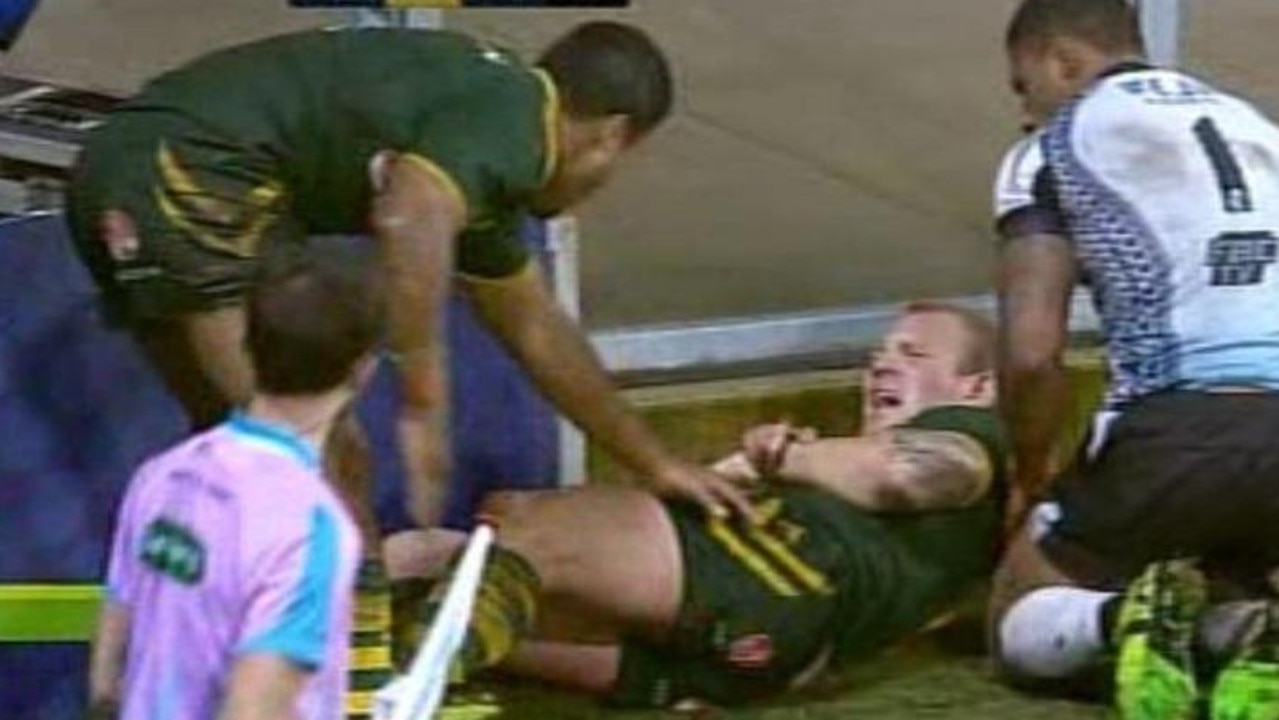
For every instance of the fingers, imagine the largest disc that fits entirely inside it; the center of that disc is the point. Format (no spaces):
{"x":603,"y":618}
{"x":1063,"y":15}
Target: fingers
{"x":765,"y":445}
{"x":737,"y":468}
{"x":724,"y":498}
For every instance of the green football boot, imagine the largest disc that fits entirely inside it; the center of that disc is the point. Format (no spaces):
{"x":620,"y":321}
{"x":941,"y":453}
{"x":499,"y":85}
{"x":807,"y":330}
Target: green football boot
{"x":1155,"y":633}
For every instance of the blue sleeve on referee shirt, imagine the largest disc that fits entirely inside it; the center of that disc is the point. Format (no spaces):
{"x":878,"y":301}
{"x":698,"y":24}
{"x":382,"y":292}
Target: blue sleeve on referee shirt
{"x":302,"y":630}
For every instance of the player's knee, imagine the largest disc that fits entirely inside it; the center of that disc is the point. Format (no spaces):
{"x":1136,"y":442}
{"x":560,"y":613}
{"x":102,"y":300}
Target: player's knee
{"x":534,"y":528}
{"x":1053,"y":633}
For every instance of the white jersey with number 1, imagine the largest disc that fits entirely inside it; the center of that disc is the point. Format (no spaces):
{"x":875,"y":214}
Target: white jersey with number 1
{"x":1169,"y":190}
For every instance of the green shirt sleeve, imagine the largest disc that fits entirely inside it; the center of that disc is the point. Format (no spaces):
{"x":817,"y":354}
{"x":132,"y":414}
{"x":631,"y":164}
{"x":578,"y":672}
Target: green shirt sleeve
{"x":478,"y":118}
{"x":493,"y":250}
{"x":491,"y":143}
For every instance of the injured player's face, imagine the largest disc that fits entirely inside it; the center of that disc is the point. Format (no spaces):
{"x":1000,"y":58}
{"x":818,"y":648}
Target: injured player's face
{"x":920,"y":363}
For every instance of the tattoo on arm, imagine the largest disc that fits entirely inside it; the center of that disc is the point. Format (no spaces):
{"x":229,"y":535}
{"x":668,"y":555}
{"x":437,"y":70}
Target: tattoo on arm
{"x":937,"y":469}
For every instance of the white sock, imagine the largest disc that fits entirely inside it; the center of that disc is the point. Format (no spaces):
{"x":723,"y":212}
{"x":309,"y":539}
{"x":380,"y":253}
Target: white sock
{"x":1053,"y":632}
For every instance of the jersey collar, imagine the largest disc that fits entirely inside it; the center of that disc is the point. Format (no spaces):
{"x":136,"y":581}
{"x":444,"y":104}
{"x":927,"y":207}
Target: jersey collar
{"x":279,"y":437}
{"x":1125,"y":66}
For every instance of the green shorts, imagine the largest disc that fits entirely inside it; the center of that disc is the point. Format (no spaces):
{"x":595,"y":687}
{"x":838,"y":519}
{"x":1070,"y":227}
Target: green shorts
{"x":757,"y":609}
{"x":206,"y":210}
{"x":818,"y":580}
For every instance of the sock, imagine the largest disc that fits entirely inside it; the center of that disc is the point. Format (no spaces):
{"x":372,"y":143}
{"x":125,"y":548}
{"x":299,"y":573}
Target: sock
{"x":370,"y":639}
{"x":505,"y":610}
{"x":1109,"y":617}
{"x":414,"y":602}
{"x":1054,"y":633}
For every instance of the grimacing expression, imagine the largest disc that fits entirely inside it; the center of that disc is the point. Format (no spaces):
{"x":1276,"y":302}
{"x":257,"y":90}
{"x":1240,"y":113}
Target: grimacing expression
{"x":917,"y":366}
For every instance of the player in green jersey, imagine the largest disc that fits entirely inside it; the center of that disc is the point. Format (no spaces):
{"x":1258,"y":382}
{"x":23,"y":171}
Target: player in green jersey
{"x":435,"y":144}
{"x":862,"y":541}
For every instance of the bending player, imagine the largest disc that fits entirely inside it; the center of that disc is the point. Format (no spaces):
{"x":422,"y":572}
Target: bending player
{"x":230,"y":588}
{"x":865,"y":539}
{"x":435,"y":142}
{"x":1162,"y":193}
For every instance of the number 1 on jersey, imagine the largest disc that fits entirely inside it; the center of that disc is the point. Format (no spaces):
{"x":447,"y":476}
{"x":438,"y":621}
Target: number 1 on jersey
{"x":1234,"y":191}
{"x":1234,"y":258}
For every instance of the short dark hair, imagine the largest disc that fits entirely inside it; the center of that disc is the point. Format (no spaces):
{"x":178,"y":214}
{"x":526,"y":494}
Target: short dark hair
{"x":979,"y":356}
{"x":1108,"y":25}
{"x":608,"y":68}
{"x":311,"y":316}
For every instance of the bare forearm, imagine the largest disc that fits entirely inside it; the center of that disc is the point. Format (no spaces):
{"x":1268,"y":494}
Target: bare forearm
{"x":262,"y":688}
{"x":854,"y":469}
{"x":562,"y":363}
{"x":417,"y":284}
{"x":416,"y":223}
{"x":566,"y":368}
{"x":416,"y":340}
{"x":1036,"y":275}
{"x":898,"y":470}
{"x":106,"y":664}
{"x":425,"y":449}
{"x":1034,"y":407}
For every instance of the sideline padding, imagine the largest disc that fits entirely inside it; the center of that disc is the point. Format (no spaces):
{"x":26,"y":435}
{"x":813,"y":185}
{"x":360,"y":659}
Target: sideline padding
{"x":48,"y":613}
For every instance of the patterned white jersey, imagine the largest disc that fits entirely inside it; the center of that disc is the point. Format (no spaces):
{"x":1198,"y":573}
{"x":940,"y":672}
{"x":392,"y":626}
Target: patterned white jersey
{"x":1169,"y":191}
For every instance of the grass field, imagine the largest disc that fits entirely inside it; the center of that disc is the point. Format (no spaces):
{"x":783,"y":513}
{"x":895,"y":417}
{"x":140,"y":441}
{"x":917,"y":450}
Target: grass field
{"x":932,"y":679}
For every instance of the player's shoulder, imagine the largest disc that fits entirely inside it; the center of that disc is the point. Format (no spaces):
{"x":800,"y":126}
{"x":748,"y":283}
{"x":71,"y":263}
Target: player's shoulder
{"x":982,"y":424}
{"x":179,"y":455}
{"x":1015,"y":180}
{"x":1155,"y":93}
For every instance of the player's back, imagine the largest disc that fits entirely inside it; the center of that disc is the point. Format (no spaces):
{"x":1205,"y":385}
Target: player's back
{"x":1170,"y":191}
{"x":232,"y":543}
{"x":312,"y":108}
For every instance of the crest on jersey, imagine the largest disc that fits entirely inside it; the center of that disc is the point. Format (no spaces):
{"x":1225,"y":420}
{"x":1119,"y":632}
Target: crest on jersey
{"x":751,"y":652}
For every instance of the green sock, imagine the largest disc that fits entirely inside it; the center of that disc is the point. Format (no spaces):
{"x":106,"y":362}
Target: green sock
{"x":370,"y":639}
{"x":505,"y":610}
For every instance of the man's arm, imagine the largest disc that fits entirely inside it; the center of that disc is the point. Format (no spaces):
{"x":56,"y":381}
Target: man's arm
{"x":416,"y":215}
{"x":561,"y":361}
{"x":106,"y":662}
{"x":897,"y":470}
{"x":1037,"y":273}
{"x":262,"y":687}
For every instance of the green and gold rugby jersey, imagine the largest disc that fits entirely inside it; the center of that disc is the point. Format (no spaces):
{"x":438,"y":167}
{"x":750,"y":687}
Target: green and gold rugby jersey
{"x":290,"y":125}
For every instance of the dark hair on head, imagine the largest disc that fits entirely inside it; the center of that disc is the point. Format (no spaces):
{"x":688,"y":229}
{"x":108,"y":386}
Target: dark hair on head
{"x":979,"y":356}
{"x":311,"y":316}
{"x":607,"y":68}
{"x":1108,"y":25}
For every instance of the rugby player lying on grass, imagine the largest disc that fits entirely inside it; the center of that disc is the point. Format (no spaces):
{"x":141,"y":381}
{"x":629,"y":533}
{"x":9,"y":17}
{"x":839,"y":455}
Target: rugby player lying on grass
{"x":860,"y":541}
